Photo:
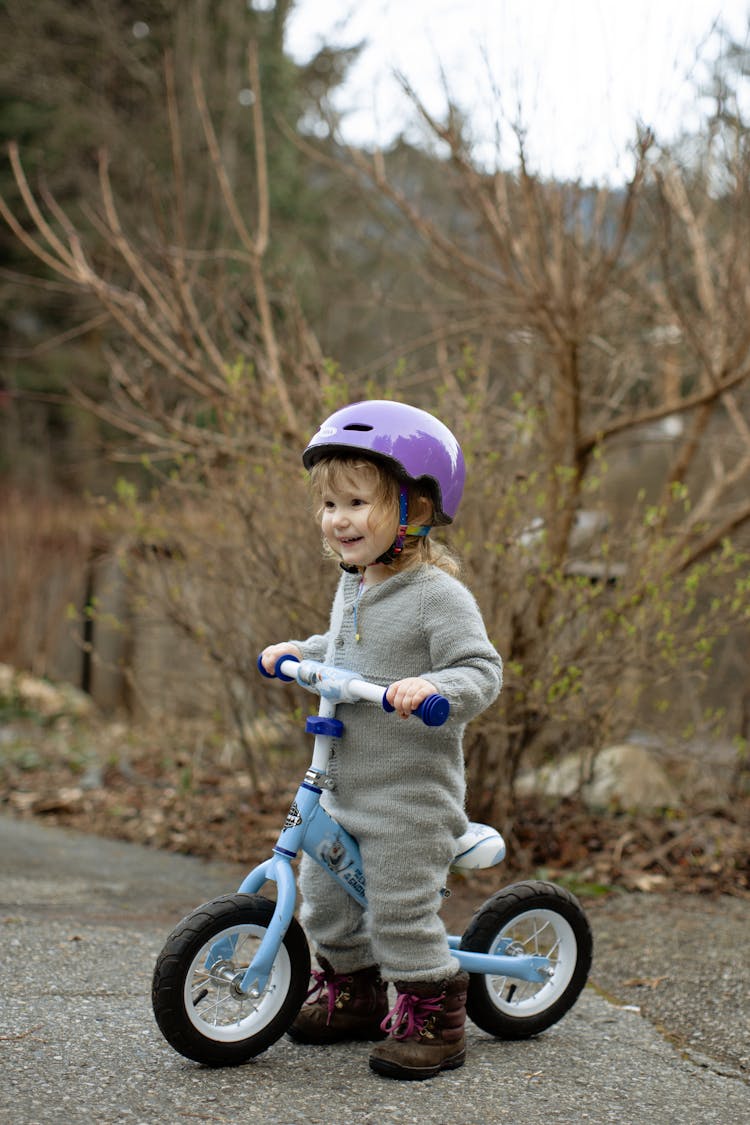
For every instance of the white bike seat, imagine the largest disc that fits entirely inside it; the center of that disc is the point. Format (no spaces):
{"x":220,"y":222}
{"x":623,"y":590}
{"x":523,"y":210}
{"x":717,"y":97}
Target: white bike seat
{"x":480,"y":846}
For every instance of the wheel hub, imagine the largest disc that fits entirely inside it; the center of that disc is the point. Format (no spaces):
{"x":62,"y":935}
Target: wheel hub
{"x":237,"y":991}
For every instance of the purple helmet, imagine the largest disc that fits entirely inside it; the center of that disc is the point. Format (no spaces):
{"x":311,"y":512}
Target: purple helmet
{"x":414,"y":444}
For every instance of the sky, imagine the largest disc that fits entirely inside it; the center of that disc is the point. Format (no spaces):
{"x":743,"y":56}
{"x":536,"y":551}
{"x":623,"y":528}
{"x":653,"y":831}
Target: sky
{"x":579,"y":74}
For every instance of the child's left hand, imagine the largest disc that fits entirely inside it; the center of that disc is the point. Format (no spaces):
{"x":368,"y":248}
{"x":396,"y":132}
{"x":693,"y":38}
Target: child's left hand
{"x":406,"y":695}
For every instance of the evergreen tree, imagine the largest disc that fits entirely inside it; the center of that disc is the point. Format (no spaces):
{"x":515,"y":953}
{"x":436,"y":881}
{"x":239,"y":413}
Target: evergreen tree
{"x":90,"y":75}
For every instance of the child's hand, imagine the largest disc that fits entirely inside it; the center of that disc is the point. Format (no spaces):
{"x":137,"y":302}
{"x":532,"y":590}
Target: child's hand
{"x":271,"y":655}
{"x":406,"y":695}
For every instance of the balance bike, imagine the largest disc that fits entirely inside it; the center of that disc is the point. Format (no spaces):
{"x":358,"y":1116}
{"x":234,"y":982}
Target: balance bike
{"x":234,"y":973}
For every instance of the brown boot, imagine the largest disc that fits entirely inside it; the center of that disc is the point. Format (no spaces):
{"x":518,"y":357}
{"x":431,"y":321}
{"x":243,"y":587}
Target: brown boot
{"x":342,"y":1006}
{"x":426,"y":1029}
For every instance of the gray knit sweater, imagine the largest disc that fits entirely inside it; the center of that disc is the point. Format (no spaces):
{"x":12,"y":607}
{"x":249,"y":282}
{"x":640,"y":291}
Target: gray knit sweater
{"x":419,"y":622}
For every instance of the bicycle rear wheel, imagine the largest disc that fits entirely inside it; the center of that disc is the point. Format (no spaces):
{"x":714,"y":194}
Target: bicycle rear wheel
{"x":528,"y":918}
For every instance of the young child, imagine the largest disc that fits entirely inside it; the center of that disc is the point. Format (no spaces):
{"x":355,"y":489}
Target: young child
{"x":385,"y":473}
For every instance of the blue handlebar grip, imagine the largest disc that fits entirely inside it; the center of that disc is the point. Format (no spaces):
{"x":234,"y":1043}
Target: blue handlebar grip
{"x":277,"y":668}
{"x":277,"y":674}
{"x":433,"y":711}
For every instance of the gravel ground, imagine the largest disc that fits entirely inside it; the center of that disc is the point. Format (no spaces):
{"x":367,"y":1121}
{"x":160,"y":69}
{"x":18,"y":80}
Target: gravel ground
{"x":661,"y":1035}
{"x":682,"y":960}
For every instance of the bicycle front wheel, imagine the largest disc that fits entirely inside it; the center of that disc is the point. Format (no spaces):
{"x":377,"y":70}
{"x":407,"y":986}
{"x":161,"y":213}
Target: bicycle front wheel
{"x":196,"y":994}
{"x":540,"y":919}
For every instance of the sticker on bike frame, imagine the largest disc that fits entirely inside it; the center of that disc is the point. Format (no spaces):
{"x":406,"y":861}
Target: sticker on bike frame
{"x":333,"y":854}
{"x":293,"y":817}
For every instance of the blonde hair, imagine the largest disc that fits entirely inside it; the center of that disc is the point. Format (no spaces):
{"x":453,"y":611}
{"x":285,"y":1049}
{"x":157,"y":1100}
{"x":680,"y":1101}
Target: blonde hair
{"x":333,"y":473}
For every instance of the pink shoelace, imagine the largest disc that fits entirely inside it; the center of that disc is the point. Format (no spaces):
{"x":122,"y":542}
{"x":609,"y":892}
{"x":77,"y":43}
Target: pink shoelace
{"x":408,"y":1016}
{"x":332,"y":984}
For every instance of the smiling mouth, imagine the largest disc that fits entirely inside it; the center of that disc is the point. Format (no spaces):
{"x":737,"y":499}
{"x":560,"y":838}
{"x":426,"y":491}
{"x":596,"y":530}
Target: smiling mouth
{"x":348,"y":542}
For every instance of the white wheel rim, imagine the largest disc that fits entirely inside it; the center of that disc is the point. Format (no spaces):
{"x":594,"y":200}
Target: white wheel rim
{"x":210,"y":997}
{"x":541,"y":933}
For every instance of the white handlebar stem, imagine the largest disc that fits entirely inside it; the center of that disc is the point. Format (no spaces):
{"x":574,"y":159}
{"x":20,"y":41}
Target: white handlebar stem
{"x":335,"y":684}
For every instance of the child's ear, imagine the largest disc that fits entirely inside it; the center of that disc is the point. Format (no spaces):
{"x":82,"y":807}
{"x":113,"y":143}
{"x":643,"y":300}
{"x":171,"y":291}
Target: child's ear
{"x":421,"y":510}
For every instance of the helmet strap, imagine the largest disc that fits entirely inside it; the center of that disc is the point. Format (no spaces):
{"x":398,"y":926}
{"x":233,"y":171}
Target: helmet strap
{"x":404,"y":528}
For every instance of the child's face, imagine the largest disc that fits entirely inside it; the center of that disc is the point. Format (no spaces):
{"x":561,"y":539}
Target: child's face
{"x":355,"y":523}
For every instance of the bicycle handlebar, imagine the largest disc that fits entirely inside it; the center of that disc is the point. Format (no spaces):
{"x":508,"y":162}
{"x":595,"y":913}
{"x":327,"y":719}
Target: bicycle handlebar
{"x":341,"y":686}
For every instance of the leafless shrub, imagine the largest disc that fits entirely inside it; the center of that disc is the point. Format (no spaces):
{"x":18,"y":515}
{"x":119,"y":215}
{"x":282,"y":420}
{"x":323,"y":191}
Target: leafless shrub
{"x":568,"y":326}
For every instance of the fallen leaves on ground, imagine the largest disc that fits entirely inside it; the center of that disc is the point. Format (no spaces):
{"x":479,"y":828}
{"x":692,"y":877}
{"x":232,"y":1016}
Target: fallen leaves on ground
{"x":205,"y":803}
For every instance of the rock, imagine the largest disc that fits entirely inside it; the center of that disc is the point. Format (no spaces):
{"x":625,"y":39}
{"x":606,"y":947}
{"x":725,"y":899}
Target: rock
{"x":626,"y":775}
{"x":41,"y":697}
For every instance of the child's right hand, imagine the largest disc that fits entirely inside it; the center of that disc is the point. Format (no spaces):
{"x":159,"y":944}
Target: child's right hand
{"x":273,"y":653}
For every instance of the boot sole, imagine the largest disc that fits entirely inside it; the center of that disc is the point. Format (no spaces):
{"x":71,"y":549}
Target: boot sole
{"x":416,"y":1073}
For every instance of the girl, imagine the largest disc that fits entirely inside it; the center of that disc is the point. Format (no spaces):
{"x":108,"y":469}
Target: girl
{"x":385,"y":473}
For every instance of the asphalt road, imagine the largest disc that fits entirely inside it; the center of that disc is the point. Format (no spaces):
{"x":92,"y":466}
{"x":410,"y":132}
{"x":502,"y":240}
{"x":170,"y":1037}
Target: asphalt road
{"x":662,"y":1034}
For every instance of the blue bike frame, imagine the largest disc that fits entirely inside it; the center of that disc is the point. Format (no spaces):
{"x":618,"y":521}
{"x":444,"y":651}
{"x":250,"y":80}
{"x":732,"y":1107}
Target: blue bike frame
{"x":310,"y":828}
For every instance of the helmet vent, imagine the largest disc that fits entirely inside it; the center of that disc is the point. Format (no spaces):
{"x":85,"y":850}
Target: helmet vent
{"x":362,"y":427}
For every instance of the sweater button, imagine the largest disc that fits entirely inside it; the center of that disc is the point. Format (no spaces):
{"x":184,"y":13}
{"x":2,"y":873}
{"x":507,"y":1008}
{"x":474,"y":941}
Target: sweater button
{"x":339,"y":642}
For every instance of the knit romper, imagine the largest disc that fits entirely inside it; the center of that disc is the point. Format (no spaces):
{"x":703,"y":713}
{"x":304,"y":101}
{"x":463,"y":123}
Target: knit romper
{"x":399,"y":786}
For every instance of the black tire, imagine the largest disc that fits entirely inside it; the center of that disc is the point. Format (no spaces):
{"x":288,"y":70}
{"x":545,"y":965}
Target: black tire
{"x":198,"y":1009}
{"x":537,"y":918}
